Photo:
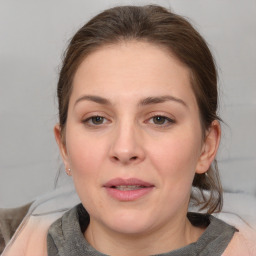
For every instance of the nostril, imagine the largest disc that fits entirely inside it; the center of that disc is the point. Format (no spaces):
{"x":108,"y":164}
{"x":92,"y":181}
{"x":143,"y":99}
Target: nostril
{"x":124,"y":159}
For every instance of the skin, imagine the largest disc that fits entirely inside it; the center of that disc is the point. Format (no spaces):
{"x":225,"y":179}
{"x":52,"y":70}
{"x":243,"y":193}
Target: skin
{"x":129,"y":142}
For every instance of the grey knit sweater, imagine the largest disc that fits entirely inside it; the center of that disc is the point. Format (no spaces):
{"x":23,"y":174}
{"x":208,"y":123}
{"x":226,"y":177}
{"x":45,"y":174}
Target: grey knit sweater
{"x":65,"y":236}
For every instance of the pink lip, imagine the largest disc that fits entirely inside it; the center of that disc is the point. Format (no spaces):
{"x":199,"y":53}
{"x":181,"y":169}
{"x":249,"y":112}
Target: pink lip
{"x":127,"y":195}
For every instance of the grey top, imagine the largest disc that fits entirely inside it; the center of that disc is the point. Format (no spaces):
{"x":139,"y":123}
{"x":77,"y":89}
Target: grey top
{"x":65,"y":236}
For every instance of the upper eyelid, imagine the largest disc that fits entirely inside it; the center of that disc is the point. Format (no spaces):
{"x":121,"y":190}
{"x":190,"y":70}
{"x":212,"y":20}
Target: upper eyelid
{"x":159,"y":113}
{"x":107,"y":116}
{"x":93,"y":114}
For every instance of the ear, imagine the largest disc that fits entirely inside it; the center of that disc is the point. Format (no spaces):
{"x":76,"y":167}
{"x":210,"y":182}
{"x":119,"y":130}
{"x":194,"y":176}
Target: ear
{"x":209,"y":148}
{"x":62,"y":146}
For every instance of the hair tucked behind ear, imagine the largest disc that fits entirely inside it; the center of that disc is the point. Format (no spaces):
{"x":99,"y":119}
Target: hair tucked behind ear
{"x":159,"y":26}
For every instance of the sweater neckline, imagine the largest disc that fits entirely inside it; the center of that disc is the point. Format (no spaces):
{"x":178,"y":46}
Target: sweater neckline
{"x":68,"y":235}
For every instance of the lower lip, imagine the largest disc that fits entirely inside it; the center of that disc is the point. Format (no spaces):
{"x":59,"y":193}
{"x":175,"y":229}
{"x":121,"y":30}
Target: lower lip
{"x":128,"y":195}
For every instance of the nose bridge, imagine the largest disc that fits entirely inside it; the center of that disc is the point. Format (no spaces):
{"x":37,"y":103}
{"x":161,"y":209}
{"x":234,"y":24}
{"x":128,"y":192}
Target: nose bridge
{"x":126,"y":144}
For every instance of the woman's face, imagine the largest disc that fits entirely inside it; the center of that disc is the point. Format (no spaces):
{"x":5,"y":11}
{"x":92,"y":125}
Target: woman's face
{"x":133,"y":138}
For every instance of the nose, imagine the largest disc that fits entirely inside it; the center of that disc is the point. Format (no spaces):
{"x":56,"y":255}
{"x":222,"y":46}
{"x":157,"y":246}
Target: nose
{"x":127,"y":145}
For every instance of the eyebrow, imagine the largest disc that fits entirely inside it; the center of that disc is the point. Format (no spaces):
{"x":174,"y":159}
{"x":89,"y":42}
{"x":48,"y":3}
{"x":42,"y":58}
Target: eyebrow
{"x":161,"y":99}
{"x":97,"y":99}
{"x":143,"y":102}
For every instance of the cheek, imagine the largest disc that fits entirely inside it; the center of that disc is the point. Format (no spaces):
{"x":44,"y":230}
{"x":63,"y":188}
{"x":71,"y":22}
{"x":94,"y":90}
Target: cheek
{"x":175,"y":161}
{"x":176,"y":157}
{"x":85,"y":155}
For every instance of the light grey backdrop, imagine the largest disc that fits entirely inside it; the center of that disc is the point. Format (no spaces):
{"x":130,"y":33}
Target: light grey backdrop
{"x":33,"y":36}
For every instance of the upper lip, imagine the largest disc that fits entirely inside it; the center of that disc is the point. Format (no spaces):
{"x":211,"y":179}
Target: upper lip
{"x":126,"y":182}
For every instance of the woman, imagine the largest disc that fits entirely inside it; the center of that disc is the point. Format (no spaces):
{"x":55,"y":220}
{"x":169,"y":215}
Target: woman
{"x":137,"y":129}
{"x":138,"y":125}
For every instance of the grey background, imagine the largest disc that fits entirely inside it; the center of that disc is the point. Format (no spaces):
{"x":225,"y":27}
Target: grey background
{"x":33,"y":36}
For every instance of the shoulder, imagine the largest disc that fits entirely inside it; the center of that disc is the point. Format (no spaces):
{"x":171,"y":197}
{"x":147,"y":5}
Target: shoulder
{"x":244,"y":241}
{"x":30,"y":236}
{"x":241,"y":245}
{"x":10,"y":219}
{"x":216,"y":236}
{"x":227,"y":235}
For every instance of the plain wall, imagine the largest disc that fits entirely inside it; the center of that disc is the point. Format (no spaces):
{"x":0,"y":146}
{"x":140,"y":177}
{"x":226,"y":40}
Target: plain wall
{"x":33,"y":36}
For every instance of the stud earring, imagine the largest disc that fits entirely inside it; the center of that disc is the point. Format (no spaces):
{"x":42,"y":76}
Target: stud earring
{"x":68,"y":172}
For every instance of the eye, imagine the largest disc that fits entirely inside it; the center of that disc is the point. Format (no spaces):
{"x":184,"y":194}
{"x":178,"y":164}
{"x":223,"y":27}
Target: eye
{"x":95,"y":120}
{"x":161,"y":120}
{"x":158,"y":119}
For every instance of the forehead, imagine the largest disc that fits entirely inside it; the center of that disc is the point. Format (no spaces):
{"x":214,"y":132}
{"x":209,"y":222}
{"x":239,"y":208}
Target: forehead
{"x":132,"y":67}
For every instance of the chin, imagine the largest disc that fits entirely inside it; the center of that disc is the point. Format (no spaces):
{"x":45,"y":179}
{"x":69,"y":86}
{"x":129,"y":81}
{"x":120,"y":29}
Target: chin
{"x":130,"y":222}
{"x":131,"y":228}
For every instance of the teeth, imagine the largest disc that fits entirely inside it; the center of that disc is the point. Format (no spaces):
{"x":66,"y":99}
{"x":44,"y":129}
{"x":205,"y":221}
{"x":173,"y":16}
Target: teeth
{"x":129,"y":187}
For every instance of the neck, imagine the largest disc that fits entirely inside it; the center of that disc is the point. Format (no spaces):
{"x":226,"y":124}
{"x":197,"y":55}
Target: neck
{"x":172,"y":236}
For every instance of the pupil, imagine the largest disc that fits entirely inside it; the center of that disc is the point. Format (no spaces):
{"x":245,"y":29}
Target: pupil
{"x":97,"y":119}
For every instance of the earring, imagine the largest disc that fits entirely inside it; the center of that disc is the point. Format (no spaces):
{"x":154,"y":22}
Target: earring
{"x":68,"y":172}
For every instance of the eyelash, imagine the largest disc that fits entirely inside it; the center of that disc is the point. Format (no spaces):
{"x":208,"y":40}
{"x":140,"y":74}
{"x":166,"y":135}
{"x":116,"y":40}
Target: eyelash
{"x":167,"y":121}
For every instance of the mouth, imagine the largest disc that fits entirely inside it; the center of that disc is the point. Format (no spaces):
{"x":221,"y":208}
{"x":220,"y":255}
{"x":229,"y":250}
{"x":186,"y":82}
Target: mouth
{"x":127,"y":189}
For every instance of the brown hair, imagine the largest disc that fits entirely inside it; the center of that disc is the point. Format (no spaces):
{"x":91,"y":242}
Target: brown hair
{"x":157,"y":25}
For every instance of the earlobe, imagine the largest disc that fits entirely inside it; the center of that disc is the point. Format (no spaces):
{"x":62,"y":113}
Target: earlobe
{"x":61,"y":144}
{"x":209,"y":148}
